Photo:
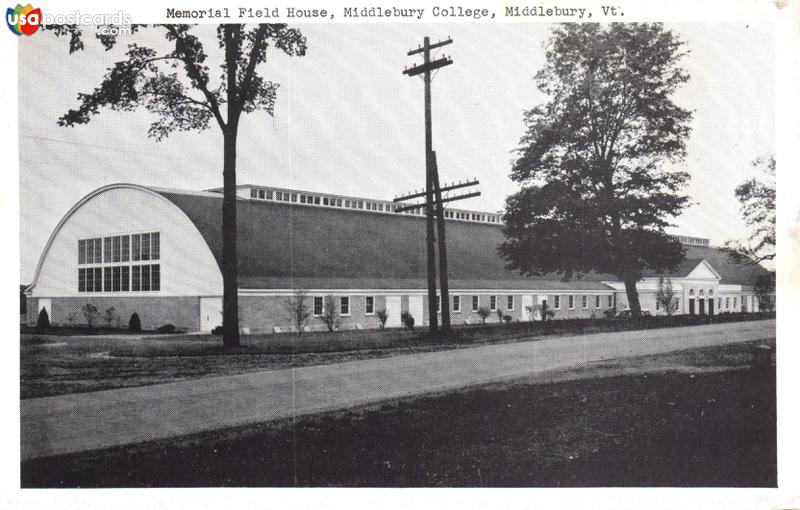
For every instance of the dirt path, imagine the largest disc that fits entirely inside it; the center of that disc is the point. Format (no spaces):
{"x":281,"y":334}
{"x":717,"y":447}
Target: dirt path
{"x":85,"y":421}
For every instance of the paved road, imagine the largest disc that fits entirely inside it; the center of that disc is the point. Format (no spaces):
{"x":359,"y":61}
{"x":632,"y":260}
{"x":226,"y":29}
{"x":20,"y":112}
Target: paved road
{"x":86,"y":421}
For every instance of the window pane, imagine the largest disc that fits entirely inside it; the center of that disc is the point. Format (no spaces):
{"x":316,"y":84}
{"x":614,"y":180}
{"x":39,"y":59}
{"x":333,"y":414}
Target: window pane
{"x":98,"y":277}
{"x":317,"y":305}
{"x":474,"y":303}
{"x":108,"y":278}
{"x":145,"y":246}
{"x":345,"y":306}
{"x":155,"y":277}
{"x":117,"y":277}
{"x":370,"y":305}
{"x":145,"y":277}
{"x":117,"y":248}
{"x":510,"y":302}
{"x":90,"y":280}
{"x":125,"y":276}
{"x":125,"y":249}
{"x":155,"y":246}
{"x":81,"y":252}
{"x":81,"y":280}
{"x":136,"y":272}
{"x":98,"y":251}
{"x":136,"y":247}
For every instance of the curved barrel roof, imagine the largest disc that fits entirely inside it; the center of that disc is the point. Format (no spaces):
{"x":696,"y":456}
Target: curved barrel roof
{"x":288,"y":245}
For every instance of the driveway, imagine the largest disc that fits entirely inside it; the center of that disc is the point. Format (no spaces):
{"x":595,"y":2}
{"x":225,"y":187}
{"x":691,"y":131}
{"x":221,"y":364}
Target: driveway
{"x":87,"y":421}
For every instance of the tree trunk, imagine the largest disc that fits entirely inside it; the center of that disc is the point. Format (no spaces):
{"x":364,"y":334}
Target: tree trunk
{"x":633,"y":295}
{"x":230,"y":297}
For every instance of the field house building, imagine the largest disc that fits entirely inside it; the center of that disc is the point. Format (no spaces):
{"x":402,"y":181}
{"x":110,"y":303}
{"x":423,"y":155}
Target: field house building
{"x":157,"y":252}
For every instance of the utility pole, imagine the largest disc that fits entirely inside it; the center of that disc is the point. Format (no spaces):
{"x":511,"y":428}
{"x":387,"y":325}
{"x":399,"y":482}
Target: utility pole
{"x":425,"y":69}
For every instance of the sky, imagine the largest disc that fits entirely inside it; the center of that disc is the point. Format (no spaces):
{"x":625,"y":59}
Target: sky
{"x":347,"y":121}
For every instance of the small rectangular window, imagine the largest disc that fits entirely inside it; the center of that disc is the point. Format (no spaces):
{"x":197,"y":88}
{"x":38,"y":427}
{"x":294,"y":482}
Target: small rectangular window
{"x":475,"y":303}
{"x":253,"y":193}
{"x":317,"y":305}
{"x":262,"y":194}
{"x":456,"y":303}
{"x":324,"y":200}
{"x":510,"y":303}
{"x":584,"y":301}
{"x":571,"y":301}
{"x":338,"y":202}
{"x":344,"y":307}
{"x":302,"y":199}
{"x":81,"y":280}
{"x":369,"y":305}
{"x":597,"y":301}
{"x":492,"y":303}
{"x":557,"y":302}
{"x":611,"y":301}
{"x":316,"y":200}
{"x":269,"y":195}
{"x":294,"y":197}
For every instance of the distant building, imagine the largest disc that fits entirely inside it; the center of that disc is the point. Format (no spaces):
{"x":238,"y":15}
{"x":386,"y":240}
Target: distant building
{"x":157,"y":252}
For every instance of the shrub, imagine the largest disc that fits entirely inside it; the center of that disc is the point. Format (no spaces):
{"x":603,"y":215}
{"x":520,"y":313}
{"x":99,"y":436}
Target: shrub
{"x":135,"y":324}
{"x":43,"y":321}
{"x":383,"y":316}
{"x":90,"y":314}
{"x":408,"y":320}
{"x":109,"y":316}
{"x":166,"y":328}
{"x":499,"y":313}
{"x":483,"y":313}
{"x":506,"y":319}
{"x":217,"y":331}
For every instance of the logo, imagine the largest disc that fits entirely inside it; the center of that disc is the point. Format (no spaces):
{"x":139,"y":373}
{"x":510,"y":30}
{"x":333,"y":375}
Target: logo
{"x":23,"y":20}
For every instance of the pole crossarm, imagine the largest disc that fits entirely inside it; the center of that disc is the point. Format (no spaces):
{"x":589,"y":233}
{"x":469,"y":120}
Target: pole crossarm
{"x":427,"y":67}
{"x":420,"y":205}
{"x":449,"y":187}
{"x":433,"y":46}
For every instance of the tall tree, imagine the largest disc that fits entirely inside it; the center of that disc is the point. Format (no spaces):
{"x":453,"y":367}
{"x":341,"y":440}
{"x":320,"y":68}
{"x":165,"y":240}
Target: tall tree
{"x":757,"y":204}
{"x":191,"y":101}
{"x":596,"y":188}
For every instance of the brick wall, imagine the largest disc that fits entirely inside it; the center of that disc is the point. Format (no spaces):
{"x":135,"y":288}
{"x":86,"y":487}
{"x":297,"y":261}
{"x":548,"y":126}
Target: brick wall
{"x":154,"y":311}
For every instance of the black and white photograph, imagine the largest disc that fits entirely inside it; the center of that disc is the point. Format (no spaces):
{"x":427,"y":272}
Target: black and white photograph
{"x":385,"y":246}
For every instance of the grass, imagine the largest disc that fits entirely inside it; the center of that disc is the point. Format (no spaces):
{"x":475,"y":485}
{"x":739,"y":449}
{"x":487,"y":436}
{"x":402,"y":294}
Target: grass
{"x":696,"y":418}
{"x":55,"y":365}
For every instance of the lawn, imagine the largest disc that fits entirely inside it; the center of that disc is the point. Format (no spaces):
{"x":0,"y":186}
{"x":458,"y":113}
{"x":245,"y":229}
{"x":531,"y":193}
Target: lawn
{"x":700,"y":417}
{"x":55,"y":365}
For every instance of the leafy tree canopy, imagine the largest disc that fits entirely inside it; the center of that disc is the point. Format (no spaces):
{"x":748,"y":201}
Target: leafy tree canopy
{"x":596,"y":188}
{"x":177,"y":86}
{"x":757,"y":204}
